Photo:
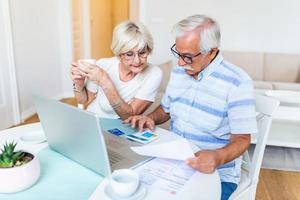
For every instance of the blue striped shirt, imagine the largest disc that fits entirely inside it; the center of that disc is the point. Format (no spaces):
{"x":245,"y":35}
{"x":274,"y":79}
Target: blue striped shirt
{"x":207,"y":111}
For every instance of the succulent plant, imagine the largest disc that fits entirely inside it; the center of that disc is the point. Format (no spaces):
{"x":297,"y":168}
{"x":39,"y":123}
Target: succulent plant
{"x":9,"y":157}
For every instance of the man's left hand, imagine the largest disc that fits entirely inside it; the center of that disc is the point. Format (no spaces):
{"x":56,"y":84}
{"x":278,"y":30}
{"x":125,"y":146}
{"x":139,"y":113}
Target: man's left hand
{"x":206,"y":161}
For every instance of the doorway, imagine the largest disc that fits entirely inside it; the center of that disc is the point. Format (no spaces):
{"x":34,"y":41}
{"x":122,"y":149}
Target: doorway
{"x":93,"y":23}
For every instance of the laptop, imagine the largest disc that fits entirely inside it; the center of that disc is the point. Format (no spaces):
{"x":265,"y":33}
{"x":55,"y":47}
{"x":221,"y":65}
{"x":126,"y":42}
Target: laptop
{"x":77,"y":134}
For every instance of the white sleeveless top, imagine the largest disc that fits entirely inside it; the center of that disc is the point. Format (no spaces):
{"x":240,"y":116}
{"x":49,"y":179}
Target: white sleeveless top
{"x":143,"y":86}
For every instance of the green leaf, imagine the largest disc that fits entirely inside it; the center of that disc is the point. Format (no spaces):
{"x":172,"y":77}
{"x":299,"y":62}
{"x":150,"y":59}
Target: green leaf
{"x":8,"y":157}
{"x":17,"y":156}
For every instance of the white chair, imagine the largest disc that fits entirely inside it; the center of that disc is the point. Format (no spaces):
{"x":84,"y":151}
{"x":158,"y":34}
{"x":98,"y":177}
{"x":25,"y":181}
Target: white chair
{"x":246,"y":190}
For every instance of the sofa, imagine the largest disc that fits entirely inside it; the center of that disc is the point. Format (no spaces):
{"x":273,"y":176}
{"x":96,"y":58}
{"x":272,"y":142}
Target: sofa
{"x":269,"y":71}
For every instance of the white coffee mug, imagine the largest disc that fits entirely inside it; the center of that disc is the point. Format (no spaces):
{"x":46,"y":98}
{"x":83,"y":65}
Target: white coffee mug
{"x":89,"y":61}
{"x":124,"y":182}
{"x":81,"y":62}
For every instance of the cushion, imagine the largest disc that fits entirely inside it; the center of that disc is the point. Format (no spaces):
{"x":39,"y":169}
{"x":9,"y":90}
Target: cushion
{"x":166,"y":69}
{"x":282,"y":67}
{"x":251,"y":62}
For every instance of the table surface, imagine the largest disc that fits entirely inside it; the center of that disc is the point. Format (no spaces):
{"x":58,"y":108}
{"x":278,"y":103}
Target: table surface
{"x":203,"y":186}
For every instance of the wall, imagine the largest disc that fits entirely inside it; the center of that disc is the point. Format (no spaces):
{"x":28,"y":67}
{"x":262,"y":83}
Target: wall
{"x":9,"y":107}
{"x":42,"y":44}
{"x":264,"y":26}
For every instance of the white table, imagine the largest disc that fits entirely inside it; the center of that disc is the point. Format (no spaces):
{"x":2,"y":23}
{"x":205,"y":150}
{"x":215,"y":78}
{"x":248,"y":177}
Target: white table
{"x":203,"y":186}
{"x":285,"y":128}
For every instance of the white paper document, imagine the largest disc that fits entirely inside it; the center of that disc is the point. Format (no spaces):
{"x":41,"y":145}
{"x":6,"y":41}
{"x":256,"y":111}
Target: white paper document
{"x":165,"y":175}
{"x":178,"y":149}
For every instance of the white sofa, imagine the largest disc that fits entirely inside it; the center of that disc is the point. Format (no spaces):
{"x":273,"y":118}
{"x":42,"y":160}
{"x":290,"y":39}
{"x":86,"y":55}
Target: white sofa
{"x":273,"y":71}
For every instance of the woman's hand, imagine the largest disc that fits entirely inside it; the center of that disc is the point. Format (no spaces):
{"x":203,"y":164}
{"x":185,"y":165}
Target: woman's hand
{"x":95,"y":74}
{"x":77,"y":76}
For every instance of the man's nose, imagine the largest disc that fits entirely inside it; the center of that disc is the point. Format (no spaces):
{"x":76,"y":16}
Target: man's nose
{"x":181,"y":62}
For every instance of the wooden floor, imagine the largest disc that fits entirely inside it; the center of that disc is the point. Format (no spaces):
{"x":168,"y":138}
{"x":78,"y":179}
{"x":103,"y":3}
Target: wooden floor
{"x":273,"y":184}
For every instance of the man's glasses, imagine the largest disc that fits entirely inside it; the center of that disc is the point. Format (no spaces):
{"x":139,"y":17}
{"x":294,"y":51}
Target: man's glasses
{"x":130,"y":55}
{"x":188,"y":59}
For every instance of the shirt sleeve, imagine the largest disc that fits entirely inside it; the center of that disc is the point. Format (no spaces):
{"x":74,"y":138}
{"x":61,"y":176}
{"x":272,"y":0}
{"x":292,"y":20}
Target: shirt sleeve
{"x":241,"y":109}
{"x":151,"y":85}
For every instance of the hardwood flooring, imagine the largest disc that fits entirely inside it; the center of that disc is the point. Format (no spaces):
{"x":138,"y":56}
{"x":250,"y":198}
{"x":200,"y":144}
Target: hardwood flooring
{"x":273,"y":184}
{"x":278,"y":185}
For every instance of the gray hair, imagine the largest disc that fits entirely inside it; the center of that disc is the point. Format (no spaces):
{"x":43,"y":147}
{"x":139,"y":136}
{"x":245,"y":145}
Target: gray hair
{"x":210,"y":34}
{"x":129,"y":35}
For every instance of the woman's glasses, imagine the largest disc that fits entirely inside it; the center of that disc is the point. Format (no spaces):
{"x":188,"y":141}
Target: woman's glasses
{"x":130,"y":55}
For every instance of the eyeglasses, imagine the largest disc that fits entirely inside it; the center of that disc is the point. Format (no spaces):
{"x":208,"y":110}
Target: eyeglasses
{"x":188,"y":59}
{"x":130,"y":55}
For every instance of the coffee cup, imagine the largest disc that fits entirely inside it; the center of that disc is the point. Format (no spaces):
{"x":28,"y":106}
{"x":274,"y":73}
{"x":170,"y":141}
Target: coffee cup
{"x":83,"y":62}
{"x":89,"y":61}
{"x":124,"y":182}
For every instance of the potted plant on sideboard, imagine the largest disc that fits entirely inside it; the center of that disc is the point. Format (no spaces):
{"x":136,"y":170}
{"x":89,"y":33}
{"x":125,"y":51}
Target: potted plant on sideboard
{"x":18,"y":169}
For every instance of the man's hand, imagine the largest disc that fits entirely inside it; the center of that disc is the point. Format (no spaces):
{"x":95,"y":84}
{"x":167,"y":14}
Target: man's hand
{"x":206,"y":161}
{"x":142,"y":122}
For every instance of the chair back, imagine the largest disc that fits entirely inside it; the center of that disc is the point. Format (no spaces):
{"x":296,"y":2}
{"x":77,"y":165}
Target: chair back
{"x":265,"y":107}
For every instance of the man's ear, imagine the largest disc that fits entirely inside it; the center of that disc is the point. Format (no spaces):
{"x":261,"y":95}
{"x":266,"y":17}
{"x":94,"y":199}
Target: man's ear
{"x":213,"y":53}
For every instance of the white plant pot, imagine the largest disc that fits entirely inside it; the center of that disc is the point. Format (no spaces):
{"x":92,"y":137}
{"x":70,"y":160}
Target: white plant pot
{"x":19,"y":178}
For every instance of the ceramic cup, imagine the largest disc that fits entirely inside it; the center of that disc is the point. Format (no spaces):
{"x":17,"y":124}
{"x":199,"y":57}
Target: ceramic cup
{"x":89,"y":61}
{"x":124,"y":182}
{"x":82,"y":62}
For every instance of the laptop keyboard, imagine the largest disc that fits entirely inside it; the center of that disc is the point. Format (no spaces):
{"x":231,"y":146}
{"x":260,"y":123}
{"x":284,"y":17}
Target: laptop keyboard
{"x":114,"y":157}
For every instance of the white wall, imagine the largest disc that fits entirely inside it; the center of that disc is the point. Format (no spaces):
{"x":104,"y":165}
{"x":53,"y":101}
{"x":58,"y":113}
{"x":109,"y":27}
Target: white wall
{"x":9,"y":107}
{"x":42,"y":43}
{"x":247,"y":25}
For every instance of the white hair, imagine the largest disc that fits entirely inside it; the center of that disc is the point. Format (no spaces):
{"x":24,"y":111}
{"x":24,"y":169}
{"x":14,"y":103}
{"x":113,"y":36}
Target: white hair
{"x":130,"y":35}
{"x":210,"y":34}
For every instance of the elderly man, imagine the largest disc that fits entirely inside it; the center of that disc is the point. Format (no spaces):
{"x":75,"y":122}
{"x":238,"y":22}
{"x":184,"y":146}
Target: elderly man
{"x":209,"y":101}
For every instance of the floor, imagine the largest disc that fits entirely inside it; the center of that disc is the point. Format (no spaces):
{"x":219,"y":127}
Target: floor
{"x":273,"y":184}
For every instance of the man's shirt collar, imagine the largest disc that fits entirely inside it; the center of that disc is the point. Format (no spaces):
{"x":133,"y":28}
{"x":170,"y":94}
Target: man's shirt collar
{"x":210,"y":67}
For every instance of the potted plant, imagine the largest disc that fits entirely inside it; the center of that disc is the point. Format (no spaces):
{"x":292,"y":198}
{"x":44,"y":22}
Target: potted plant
{"x":18,"y":169}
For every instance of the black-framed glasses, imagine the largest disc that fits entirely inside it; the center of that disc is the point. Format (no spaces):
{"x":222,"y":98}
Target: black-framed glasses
{"x":188,"y":59}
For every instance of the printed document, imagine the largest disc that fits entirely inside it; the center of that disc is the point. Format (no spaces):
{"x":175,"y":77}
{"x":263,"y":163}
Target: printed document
{"x":165,"y":175}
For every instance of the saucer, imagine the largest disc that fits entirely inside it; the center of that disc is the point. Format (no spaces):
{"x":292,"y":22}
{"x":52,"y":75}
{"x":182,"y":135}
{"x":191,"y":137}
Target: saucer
{"x":35,"y":137}
{"x":138,"y":195}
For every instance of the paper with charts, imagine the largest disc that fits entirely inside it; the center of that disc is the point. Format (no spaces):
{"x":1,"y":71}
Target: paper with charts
{"x":168,"y":150}
{"x":166,"y":175}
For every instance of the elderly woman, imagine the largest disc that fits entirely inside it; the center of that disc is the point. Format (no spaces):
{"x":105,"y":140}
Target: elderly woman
{"x":123,"y":85}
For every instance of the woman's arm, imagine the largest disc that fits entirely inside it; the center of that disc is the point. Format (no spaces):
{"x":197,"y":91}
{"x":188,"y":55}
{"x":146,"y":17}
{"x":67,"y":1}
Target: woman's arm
{"x":122,"y":108}
{"x":83,"y":96}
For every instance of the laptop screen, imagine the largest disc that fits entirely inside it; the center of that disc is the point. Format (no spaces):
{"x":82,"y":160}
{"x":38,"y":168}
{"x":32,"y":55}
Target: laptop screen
{"x":74,"y":133}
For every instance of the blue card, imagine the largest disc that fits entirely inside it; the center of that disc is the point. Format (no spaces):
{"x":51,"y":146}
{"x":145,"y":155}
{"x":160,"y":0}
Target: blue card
{"x":142,"y":137}
{"x":116,"y":131}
